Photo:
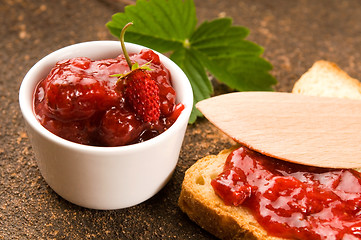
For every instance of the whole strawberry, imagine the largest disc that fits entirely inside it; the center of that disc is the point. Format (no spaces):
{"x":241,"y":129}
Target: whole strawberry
{"x":141,"y":92}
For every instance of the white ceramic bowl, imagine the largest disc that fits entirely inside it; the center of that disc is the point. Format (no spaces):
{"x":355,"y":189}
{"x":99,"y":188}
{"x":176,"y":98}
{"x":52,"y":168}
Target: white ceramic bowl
{"x":104,"y":177}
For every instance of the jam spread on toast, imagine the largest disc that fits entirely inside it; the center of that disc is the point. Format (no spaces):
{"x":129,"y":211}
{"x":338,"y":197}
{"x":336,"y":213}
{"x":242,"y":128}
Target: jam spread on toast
{"x":290,"y":200}
{"x":82,"y":101}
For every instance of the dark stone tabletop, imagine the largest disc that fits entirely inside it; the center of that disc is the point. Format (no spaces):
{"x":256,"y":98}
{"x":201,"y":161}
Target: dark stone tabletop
{"x":294,"y":35}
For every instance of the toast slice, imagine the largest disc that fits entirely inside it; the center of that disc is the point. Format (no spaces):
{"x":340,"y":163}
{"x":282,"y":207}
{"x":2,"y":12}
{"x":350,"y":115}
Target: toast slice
{"x":197,"y":198}
{"x":326,"y":79}
{"x":204,"y":207}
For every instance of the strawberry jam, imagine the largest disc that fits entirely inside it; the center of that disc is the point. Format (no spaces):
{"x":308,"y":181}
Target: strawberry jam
{"x":79,"y":101}
{"x":291,"y":200}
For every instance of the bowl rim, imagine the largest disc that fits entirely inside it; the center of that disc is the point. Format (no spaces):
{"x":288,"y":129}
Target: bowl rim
{"x":29,"y":116}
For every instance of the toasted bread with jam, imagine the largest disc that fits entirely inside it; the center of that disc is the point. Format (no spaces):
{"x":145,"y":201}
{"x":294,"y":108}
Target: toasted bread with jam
{"x":198,"y":199}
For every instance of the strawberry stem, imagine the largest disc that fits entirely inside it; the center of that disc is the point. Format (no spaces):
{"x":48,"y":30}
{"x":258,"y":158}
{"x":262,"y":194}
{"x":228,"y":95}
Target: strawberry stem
{"x":127,"y":58}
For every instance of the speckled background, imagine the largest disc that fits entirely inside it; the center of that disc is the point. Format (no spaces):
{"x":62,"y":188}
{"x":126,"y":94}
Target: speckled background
{"x":294,"y":34}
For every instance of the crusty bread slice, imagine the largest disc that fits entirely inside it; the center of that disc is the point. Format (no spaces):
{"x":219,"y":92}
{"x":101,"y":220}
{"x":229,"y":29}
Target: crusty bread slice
{"x":326,"y":79}
{"x":203,"y":206}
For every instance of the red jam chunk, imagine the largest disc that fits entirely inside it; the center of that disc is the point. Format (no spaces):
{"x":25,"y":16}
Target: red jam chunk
{"x":79,"y":101}
{"x":291,"y":200}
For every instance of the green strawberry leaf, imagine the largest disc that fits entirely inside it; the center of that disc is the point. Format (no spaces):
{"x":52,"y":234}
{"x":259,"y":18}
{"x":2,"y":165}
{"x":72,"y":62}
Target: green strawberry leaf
{"x":231,"y":59}
{"x":217,"y":46}
{"x":162,"y":25}
{"x":192,"y":67}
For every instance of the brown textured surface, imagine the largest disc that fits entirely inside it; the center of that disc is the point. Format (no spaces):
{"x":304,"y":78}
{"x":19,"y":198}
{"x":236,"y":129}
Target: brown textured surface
{"x":294,"y":34}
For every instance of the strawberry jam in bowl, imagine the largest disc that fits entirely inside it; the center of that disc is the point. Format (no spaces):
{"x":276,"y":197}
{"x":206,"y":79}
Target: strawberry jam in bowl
{"x":82,"y":101}
{"x":105,"y":136}
{"x":293,"y":201}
